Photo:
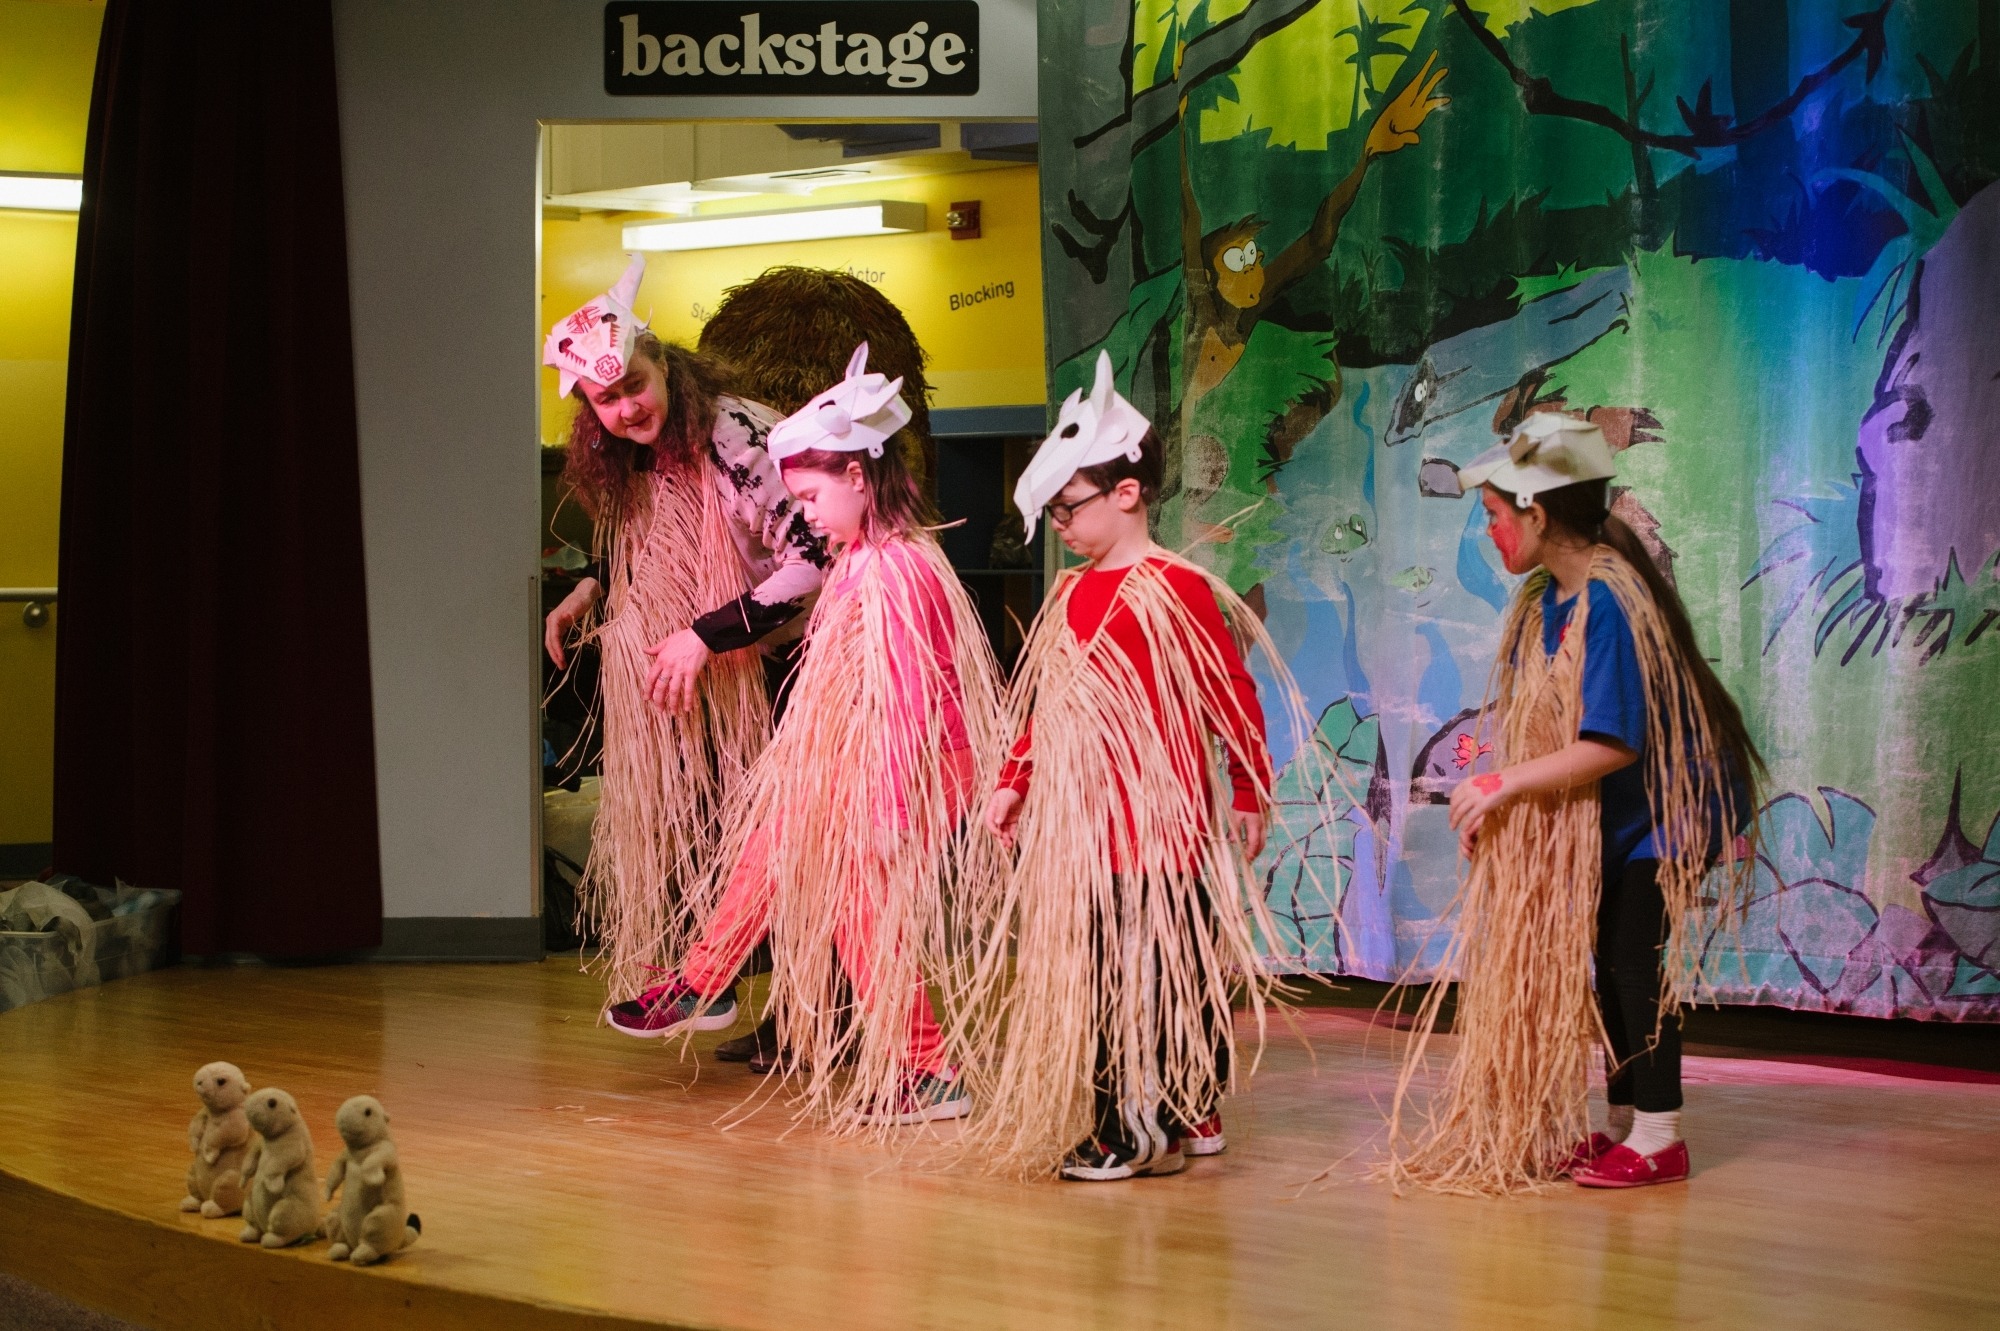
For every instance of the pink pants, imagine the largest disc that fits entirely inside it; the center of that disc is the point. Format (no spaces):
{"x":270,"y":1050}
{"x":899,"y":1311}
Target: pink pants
{"x":743,"y":917}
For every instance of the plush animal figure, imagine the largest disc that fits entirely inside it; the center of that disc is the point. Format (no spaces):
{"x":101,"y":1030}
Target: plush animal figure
{"x":373,"y":1219}
{"x":219,"y":1136}
{"x":283,"y":1202}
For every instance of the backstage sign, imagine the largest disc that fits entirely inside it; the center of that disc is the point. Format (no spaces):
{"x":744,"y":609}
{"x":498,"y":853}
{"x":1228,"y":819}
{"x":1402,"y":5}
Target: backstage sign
{"x":791,"y":48}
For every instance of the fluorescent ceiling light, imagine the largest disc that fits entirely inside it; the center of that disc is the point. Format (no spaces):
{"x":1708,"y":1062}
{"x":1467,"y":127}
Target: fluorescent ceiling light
{"x":676,"y":197}
{"x":881,"y":217}
{"x":41,"y":193}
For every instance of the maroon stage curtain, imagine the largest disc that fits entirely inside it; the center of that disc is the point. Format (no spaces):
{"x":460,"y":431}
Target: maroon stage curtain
{"x":213,"y":720}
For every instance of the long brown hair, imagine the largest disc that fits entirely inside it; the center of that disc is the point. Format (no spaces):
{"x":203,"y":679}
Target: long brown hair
{"x":1583,"y":510}
{"x":602,"y":468}
{"x":896,"y":503}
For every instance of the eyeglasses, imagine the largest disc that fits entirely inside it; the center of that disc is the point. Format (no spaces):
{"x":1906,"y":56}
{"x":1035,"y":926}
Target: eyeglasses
{"x":1062,"y":514}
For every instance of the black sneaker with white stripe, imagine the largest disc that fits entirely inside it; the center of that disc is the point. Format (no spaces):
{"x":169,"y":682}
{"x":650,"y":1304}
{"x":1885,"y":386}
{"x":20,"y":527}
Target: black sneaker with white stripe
{"x":1093,"y":1161}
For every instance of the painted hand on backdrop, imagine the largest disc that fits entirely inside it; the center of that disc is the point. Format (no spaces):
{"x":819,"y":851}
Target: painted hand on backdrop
{"x":1396,"y":126}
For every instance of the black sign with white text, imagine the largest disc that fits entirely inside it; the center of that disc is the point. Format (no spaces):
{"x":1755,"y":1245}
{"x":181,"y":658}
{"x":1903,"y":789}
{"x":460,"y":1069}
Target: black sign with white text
{"x":791,"y":48}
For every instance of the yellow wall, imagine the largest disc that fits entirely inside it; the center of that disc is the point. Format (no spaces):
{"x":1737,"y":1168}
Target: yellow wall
{"x":47,"y":55}
{"x":988,"y":353}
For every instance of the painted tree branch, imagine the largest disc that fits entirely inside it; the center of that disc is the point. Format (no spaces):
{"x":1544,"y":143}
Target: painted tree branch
{"x":1095,"y":253}
{"x":1705,"y":128}
{"x":1155,"y":111}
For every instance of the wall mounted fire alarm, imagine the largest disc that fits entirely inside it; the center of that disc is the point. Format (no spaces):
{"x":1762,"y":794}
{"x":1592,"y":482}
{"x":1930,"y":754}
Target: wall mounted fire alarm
{"x":962,"y":220}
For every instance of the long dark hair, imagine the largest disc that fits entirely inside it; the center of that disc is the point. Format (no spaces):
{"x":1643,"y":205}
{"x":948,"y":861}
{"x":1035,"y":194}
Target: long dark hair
{"x":1583,"y":511}
{"x":602,"y":468}
{"x":896,"y":503}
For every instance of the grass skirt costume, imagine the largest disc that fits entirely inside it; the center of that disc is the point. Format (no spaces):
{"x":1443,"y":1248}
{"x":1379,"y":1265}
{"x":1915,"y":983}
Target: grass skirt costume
{"x":1116,"y":942}
{"x":665,"y":774}
{"x":1512,"y":1103}
{"x":848,"y":833}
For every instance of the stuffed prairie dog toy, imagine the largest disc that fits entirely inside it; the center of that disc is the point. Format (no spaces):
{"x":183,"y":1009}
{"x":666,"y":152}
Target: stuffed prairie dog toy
{"x":373,"y":1219}
{"x":282,"y":1205}
{"x":219,"y":1136}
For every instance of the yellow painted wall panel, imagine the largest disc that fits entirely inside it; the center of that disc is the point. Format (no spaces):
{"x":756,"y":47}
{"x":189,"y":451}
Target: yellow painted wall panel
{"x":48,"y":54}
{"x":37,"y":267}
{"x":985,"y":347}
{"x":31,"y":424}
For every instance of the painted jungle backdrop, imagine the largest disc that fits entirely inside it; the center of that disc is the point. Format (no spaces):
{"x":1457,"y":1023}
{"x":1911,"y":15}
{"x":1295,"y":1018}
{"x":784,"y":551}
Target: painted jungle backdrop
{"x":1338,"y":247}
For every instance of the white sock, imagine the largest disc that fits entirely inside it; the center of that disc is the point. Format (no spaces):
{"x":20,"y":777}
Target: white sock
{"x":1618,"y":1122}
{"x":1653,"y":1133}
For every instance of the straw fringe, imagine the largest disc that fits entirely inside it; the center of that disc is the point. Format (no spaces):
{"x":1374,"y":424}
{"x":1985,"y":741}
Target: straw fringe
{"x":1512,"y":1103}
{"x":861,"y":812}
{"x":665,"y":775}
{"x":1154,"y":954}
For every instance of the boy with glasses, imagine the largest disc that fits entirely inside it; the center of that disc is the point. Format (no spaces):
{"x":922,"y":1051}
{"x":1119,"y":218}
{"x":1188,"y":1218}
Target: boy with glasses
{"x":1131,"y":908}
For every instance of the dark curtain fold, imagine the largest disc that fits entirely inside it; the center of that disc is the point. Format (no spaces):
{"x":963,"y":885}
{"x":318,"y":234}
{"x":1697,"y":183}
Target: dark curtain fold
{"x":213,"y":718}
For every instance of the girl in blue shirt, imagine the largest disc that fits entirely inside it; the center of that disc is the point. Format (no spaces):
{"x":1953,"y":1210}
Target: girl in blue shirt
{"x":1658,"y":734}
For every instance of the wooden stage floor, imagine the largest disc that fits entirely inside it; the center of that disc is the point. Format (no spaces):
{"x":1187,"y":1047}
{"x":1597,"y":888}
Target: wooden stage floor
{"x":570,"y":1177}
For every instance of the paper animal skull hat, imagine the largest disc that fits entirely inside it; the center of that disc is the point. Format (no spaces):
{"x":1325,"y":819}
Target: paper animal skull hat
{"x":595,"y":343}
{"x":1546,"y":452}
{"x":1089,"y":430}
{"x":858,"y":413}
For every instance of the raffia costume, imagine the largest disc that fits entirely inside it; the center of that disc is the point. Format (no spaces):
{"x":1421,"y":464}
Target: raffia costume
{"x":1511,"y":1105}
{"x":671,"y":560}
{"x":848,"y":833}
{"x":1130,"y":917}
{"x":713,"y":545}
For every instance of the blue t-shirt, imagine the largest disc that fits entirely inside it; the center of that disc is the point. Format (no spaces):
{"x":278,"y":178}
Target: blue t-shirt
{"x":1614,"y":709}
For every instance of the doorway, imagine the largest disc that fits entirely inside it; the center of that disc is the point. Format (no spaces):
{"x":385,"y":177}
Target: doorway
{"x":956,"y":249}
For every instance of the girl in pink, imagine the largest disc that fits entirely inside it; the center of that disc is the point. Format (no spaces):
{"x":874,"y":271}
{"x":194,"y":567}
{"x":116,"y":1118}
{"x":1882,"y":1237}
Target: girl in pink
{"x":844,"y":834}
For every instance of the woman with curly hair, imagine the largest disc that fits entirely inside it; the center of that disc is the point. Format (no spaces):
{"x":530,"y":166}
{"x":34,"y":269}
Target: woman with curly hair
{"x":706,"y":568}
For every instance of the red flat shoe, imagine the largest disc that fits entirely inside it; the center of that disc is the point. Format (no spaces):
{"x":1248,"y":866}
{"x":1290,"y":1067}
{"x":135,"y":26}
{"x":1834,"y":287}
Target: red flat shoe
{"x":1587,"y":1152}
{"x":1623,"y":1167}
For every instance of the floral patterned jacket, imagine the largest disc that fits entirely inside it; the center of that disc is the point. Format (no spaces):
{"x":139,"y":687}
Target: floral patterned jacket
{"x":785,"y":561}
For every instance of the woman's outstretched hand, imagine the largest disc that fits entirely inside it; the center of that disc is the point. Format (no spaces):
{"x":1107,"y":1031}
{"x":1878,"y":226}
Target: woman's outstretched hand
{"x":677,"y":662}
{"x":562,"y":620}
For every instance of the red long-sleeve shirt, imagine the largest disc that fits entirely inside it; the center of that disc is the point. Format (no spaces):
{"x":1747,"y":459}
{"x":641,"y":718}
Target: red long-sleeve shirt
{"x":1094,"y":606}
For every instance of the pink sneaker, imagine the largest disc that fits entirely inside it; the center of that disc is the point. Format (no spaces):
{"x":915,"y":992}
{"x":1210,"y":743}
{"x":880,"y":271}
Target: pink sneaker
{"x":1623,"y":1167}
{"x":1205,"y":1137}
{"x":669,"y":1008}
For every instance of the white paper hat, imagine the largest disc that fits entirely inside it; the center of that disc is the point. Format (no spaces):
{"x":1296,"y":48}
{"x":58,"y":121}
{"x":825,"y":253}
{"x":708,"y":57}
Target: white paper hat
{"x":1089,"y":430}
{"x":858,"y":413}
{"x":1546,"y":452}
{"x":595,"y":343}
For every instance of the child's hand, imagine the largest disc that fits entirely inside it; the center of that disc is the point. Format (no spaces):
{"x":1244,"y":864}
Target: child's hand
{"x":1002,"y":812}
{"x":1471,"y":800}
{"x":1468,"y":836}
{"x":1249,"y":830}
